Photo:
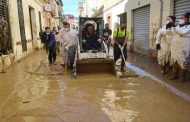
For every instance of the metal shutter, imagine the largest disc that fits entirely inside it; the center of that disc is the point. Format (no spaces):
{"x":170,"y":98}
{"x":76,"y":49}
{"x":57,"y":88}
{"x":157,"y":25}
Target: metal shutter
{"x":141,"y":24}
{"x":181,"y":7}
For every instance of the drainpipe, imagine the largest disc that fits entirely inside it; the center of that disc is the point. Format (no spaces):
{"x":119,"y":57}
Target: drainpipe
{"x":161,"y":12}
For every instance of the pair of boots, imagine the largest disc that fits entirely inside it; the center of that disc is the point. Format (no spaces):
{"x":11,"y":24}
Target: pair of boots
{"x":163,"y":69}
{"x":123,"y":69}
{"x":182,"y":75}
{"x":178,"y":72}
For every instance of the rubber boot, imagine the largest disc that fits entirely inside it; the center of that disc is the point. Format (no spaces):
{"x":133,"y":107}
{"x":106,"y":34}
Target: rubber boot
{"x":182,"y":75}
{"x":163,"y":70}
{"x":123,"y":69}
{"x":174,"y":73}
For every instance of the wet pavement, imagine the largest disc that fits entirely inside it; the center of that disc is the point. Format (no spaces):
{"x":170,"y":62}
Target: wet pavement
{"x":32,"y":91}
{"x":151,"y":66}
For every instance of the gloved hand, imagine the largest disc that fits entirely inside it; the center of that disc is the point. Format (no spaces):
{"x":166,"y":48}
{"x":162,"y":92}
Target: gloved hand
{"x":158,"y":47}
{"x":121,"y":47}
{"x":66,"y":48}
{"x":84,"y":41}
{"x":169,"y":25}
{"x":65,"y":44}
{"x":99,"y":40}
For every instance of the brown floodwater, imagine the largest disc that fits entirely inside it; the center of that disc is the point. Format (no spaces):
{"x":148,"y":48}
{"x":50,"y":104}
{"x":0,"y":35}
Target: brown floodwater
{"x":32,"y":91}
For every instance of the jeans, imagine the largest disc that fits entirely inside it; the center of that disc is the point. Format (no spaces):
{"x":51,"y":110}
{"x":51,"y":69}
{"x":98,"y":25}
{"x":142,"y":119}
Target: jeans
{"x":52,"y":54}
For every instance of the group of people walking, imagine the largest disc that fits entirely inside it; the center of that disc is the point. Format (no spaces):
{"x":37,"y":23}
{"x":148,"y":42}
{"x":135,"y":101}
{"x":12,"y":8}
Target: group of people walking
{"x":66,"y":39}
{"x":173,"y":45}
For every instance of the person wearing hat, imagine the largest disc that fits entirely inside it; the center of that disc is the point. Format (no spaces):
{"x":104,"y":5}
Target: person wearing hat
{"x":120,"y":38}
{"x":163,"y":42}
{"x":181,"y":56}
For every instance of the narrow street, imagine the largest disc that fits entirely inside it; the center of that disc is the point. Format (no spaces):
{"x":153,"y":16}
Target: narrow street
{"x":32,"y":91}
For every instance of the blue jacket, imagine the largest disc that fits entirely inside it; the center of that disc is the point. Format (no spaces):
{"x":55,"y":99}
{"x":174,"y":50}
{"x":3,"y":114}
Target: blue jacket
{"x":48,"y":40}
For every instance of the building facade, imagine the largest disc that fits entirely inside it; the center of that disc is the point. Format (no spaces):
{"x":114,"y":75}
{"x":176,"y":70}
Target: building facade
{"x":87,"y":7}
{"x":21,"y":22}
{"x":143,"y":17}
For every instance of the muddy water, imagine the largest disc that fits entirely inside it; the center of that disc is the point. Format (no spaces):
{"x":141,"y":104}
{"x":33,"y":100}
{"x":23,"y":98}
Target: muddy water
{"x":151,"y":66}
{"x":32,"y":91}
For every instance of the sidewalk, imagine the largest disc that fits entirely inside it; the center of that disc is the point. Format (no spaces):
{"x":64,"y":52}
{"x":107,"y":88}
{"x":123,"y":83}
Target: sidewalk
{"x":151,"y":66}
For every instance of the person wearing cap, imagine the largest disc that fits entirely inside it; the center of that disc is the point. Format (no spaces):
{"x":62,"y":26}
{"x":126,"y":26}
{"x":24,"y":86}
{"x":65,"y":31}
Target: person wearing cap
{"x":163,"y":42}
{"x":120,"y":38}
{"x":180,"y":56}
{"x":68,"y":39}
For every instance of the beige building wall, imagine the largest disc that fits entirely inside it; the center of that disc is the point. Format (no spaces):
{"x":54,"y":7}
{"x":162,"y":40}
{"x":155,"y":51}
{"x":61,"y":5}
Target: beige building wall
{"x":110,"y":3}
{"x":113,"y":8}
{"x":53,"y":21}
{"x":90,"y":7}
{"x":34,"y":43}
{"x":111,"y":15}
{"x":154,"y":15}
{"x":37,"y":7}
{"x":15,"y":31}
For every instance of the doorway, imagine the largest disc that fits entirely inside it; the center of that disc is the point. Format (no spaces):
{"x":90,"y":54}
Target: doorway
{"x":33,"y":28}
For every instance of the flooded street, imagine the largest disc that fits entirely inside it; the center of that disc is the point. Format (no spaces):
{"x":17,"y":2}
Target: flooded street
{"x":32,"y":91}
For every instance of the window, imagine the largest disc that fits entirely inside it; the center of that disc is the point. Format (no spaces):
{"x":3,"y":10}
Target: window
{"x":5,"y":45}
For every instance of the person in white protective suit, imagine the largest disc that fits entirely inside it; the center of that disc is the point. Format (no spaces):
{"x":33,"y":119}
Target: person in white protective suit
{"x":68,"y":39}
{"x":180,"y":48}
{"x":163,"y":42}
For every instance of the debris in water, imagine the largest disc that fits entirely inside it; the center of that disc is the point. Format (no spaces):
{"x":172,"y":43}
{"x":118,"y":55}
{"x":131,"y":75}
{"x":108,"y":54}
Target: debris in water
{"x":26,"y":102}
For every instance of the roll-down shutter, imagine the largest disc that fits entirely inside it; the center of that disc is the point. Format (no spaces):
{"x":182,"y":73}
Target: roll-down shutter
{"x":141,"y":19}
{"x":181,"y":7}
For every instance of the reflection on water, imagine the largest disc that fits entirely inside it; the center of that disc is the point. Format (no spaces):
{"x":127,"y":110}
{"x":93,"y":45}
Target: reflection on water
{"x":47,"y":96}
{"x":115,"y":112}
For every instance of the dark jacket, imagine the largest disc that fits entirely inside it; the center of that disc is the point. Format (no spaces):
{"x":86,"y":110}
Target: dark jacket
{"x":48,"y":40}
{"x":41,"y":34}
{"x":91,"y":41}
{"x":107,"y":33}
